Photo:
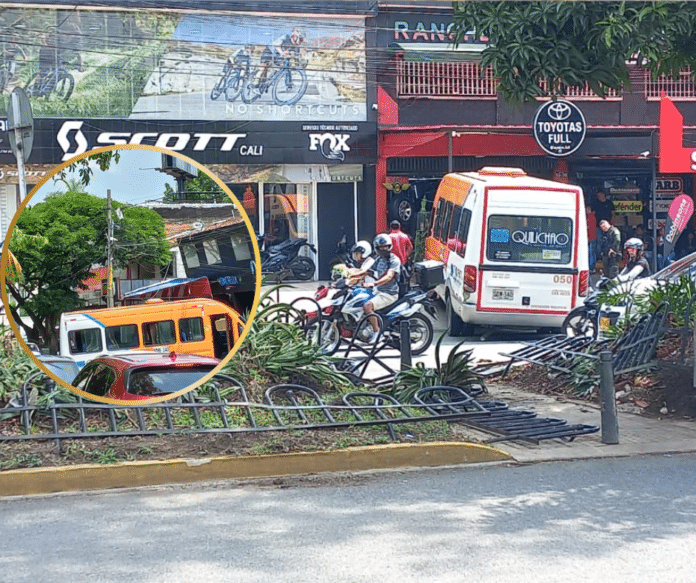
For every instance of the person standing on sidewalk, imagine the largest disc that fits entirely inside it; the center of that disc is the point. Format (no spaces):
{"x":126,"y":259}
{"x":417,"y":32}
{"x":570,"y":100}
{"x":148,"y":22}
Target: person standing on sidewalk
{"x":610,"y":248}
{"x":401,"y":242}
{"x":402,"y":247}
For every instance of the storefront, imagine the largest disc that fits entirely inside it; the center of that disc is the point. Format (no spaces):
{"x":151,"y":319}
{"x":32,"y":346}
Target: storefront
{"x":296,"y":143}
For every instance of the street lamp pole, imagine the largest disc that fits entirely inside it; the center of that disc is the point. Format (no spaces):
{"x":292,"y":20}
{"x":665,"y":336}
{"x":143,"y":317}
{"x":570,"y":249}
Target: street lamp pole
{"x":109,"y":253}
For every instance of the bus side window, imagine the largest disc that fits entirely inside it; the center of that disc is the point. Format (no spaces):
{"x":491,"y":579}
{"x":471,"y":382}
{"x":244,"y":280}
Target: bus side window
{"x":124,"y":336}
{"x":463,"y":232}
{"x":437,"y":218}
{"x":444,"y":225}
{"x":191,"y":330}
{"x":87,"y":340}
{"x":159,"y":333}
{"x":454,"y":228}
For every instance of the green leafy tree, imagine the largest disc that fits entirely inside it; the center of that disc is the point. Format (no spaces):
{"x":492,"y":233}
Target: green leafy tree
{"x":202,"y":187}
{"x":84,"y":170}
{"x":59,"y":240}
{"x":568,"y":44}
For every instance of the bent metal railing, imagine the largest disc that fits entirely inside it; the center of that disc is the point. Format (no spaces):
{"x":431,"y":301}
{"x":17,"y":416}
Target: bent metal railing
{"x":285,"y":407}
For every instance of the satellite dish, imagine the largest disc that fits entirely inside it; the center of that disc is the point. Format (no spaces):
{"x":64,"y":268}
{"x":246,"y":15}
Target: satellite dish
{"x":198,"y":225}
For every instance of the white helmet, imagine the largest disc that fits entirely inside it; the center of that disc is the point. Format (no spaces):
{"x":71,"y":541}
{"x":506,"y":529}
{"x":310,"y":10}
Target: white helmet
{"x":364,"y":247}
{"x":634,"y":243}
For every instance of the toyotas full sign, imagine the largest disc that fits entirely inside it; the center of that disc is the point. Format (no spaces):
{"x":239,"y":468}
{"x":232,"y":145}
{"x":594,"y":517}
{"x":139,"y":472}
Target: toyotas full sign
{"x":559,"y":128}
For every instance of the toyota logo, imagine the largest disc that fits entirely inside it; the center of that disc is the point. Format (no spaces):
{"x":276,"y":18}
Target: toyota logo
{"x":559,"y":111}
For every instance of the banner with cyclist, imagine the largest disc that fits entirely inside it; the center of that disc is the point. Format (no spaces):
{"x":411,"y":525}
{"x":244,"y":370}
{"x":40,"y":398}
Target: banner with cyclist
{"x":177,"y":66}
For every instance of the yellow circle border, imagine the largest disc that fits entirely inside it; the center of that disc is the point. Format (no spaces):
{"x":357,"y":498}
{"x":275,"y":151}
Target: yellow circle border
{"x":5,"y":258}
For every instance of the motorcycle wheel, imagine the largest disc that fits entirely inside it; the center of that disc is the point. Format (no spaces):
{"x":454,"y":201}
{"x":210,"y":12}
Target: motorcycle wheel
{"x":421,"y":330}
{"x":579,"y":323}
{"x":330,"y":337}
{"x":302,"y":268}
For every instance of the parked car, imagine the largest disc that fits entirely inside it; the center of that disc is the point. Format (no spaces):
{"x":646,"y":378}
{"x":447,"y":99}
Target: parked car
{"x":63,"y":367}
{"x":142,"y":376}
{"x":405,"y":204}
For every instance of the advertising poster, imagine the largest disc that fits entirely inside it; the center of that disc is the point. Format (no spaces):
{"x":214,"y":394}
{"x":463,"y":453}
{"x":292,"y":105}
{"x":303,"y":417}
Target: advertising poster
{"x":163,"y":65}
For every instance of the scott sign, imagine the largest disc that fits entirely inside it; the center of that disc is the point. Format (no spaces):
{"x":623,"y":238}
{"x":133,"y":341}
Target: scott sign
{"x":73,"y":141}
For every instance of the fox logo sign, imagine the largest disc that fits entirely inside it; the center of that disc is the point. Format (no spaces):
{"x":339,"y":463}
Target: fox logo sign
{"x":332,"y":146}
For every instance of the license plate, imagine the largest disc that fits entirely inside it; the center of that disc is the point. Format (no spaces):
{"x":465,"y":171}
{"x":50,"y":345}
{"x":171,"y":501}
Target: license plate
{"x":604,"y":323}
{"x":504,"y":294}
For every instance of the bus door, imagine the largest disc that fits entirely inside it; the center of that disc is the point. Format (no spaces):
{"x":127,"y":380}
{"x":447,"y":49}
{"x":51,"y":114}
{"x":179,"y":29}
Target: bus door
{"x":220,"y":324}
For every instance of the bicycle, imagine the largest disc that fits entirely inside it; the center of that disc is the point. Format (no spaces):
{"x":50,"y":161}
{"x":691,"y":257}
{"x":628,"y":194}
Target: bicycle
{"x":6,"y":73}
{"x":287,"y":85}
{"x":233,"y":79}
{"x":55,"y":80}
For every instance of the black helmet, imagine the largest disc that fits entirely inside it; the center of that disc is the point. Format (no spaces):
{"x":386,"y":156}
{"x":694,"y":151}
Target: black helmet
{"x":382,"y":244}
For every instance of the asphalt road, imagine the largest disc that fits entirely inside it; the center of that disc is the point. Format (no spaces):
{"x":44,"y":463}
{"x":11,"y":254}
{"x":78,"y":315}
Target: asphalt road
{"x":619,"y":520}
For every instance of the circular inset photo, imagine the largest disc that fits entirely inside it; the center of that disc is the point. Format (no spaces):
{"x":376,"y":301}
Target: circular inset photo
{"x":128,"y":275}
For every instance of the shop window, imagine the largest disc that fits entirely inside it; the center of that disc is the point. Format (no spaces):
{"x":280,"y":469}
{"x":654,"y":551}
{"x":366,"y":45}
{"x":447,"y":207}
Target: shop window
{"x":286,"y":211}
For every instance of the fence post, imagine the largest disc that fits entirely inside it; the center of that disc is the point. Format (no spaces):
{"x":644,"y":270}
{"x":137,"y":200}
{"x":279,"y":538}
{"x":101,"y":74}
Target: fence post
{"x":609,"y":420}
{"x":405,"y":343}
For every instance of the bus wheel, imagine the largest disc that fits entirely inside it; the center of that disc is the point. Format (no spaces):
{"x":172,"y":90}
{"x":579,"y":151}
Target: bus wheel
{"x":457,"y":327}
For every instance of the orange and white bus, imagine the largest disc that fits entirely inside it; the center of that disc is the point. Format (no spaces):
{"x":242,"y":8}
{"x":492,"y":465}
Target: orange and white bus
{"x":192,"y":326}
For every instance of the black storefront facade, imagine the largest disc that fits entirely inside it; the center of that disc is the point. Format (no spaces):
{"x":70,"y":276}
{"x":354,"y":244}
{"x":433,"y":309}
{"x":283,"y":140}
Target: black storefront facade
{"x":148,"y":78}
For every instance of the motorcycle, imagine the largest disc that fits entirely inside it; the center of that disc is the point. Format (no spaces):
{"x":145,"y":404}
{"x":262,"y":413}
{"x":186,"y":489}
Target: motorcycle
{"x":591,"y":317}
{"x":342,"y":313}
{"x":285,"y":256}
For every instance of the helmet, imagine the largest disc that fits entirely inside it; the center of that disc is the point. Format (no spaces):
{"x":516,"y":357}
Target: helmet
{"x":382,"y":244}
{"x":339,"y":271}
{"x":634,"y":243}
{"x":364,"y":247}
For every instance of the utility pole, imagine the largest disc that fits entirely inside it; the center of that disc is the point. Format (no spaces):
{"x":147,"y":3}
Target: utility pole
{"x":109,"y":253}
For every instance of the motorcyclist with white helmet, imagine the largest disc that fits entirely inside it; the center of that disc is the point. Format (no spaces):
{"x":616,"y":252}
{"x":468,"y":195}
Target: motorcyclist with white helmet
{"x":386,"y":269}
{"x":361,"y":254}
{"x":637,"y":265}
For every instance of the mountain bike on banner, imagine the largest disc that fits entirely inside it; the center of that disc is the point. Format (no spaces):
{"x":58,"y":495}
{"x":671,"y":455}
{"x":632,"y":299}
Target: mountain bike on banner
{"x":234,"y":75}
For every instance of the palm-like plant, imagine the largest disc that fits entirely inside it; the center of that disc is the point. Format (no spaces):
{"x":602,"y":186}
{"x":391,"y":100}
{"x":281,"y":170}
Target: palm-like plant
{"x":456,"y":371}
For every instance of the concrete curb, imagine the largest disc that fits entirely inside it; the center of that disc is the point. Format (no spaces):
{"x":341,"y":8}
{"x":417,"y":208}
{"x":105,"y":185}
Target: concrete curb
{"x":150,"y":473}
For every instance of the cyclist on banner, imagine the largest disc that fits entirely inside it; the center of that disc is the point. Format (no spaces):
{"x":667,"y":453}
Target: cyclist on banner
{"x":11,"y":51}
{"x":281,"y":49}
{"x":55,"y":52}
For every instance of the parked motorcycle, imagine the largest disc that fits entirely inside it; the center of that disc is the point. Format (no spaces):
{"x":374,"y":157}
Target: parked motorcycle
{"x":342,"y":313}
{"x":592,"y":317}
{"x":285,"y":256}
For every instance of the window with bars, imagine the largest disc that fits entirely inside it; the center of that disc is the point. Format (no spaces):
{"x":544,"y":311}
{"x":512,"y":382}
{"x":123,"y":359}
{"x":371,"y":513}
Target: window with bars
{"x":463,"y":80}
{"x":444,"y":80}
{"x":681,"y":89}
